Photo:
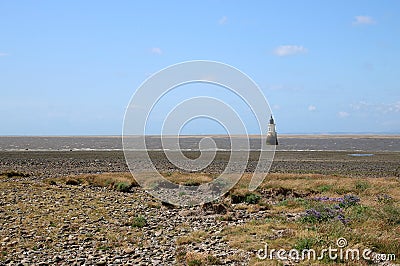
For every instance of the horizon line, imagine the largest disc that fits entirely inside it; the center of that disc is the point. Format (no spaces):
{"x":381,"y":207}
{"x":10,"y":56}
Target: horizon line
{"x":347,"y":134}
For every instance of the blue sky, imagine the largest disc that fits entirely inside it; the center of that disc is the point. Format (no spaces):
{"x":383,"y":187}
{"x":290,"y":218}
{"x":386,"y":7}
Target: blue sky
{"x":71,"y":67}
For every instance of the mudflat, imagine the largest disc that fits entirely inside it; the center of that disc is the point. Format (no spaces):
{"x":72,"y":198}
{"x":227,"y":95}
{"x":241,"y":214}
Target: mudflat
{"x":59,"y":163}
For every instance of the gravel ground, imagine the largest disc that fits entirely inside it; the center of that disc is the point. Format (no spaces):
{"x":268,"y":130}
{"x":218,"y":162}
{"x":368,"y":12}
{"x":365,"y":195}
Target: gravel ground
{"x":65,"y":225}
{"x":50,"y":164}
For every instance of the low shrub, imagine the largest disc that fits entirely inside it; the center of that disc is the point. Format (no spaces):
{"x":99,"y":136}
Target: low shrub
{"x":391,"y":213}
{"x":384,"y":198}
{"x":349,"y":200}
{"x":139,"y":221}
{"x":252,"y":198}
{"x":324,"y":214}
{"x":195,"y":258}
{"x":324,"y":188}
{"x":360,"y":213}
{"x":361,"y":186}
{"x":244,"y":197}
{"x":122,"y":187}
{"x":305,"y":243}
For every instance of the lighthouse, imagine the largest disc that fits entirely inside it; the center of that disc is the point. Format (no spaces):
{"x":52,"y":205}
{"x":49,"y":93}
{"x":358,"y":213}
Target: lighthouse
{"x":272,"y":137}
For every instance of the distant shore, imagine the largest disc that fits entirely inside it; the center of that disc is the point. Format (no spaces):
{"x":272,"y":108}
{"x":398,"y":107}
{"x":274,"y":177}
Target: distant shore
{"x":283,"y":135}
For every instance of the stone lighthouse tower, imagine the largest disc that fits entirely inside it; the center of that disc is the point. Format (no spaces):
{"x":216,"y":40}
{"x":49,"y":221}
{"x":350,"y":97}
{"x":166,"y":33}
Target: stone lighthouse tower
{"x":272,"y":137}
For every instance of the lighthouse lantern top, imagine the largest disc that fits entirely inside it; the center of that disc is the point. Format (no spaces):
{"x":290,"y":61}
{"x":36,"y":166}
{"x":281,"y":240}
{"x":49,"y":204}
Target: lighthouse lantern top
{"x":271,"y":120}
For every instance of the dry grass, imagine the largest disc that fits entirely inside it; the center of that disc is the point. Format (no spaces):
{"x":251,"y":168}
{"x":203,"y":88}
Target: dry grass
{"x":110,"y":180}
{"x":194,"y":237}
{"x":328,"y":185}
{"x":374,"y":222}
{"x":199,"y":258}
{"x":193,"y":179}
{"x":254,"y":234}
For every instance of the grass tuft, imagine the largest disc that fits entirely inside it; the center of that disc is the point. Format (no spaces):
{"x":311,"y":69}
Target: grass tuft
{"x":362,"y":186}
{"x":197,"y":259}
{"x":122,"y":182}
{"x":244,"y":196}
{"x":122,"y":186}
{"x":305,"y":243}
{"x":324,"y":188}
{"x":391,"y":213}
{"x":139,"y":221}
{"x":194,"y":237}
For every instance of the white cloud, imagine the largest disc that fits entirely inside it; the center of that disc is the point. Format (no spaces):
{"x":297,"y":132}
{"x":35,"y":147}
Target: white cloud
{"x":156,"y":50}
{"x":397,"y":106}
{"x":283,"y":87}
{"x":223,"y":20}
{"x":276,"y":107}
{"x":381,"y":107}
{"x":3,"y":54}
{"x":358,"y":106}
{"x":343,"y":114}
{"x":363,"y":20}
{"x":312,"y":108}
{"x":285,"y":50}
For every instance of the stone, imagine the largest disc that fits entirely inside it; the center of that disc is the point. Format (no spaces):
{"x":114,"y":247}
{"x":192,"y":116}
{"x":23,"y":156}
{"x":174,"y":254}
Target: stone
{"x":217,"y":208}
{"x":57,"y":258}
{"x":101,"y":262}
{"x":158,"y":233}
{"x":129,"y":250}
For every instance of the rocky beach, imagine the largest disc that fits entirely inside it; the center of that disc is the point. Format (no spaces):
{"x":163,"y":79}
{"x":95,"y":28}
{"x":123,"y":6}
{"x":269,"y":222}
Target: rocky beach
{"x":52,"y":214}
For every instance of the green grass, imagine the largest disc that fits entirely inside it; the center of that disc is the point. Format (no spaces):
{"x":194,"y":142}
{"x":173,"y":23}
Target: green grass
{"x":324,"y":188}
{"x":122,"y":186}
{"x":194,"y":262}
{"x":197,"y":258}
{"x":252,"y":198}
{"x":362,"y":186}
{"x":305,"y":243}
{"x":139,"y":221}
{"x":104,"y":248}
{"x":293,"y":203}
{"x":391,"y":214}
{"x":244,"y":196}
